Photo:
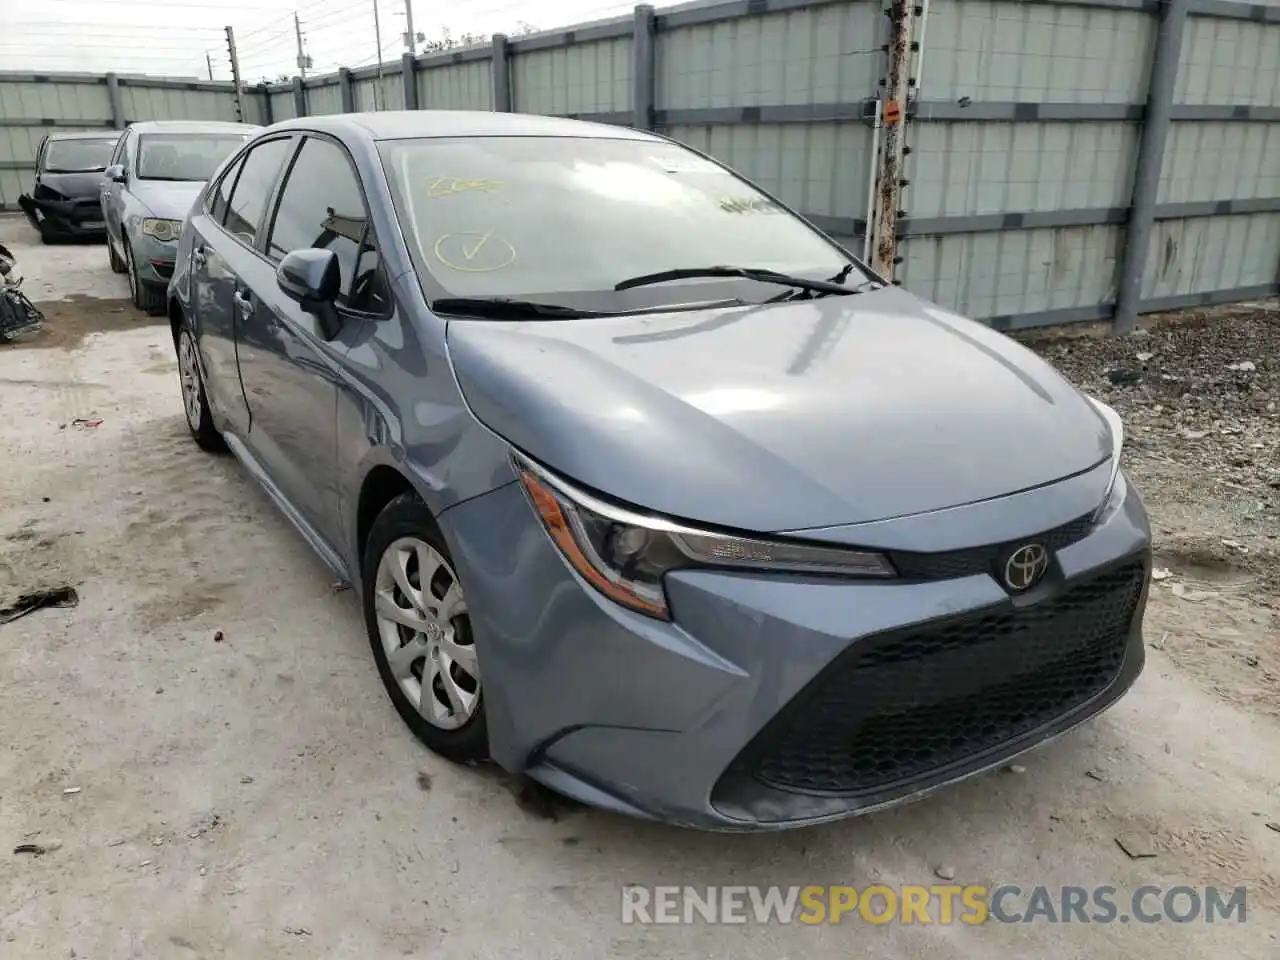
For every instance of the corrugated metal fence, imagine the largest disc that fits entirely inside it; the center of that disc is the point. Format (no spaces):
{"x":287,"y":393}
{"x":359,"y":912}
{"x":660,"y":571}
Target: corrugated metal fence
{"x":1032,"y":191}
{"x":32,"y":105}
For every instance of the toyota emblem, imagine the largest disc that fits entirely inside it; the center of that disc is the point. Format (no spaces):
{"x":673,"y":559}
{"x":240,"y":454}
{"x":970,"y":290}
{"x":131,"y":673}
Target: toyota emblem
{"x":1025,"y":567}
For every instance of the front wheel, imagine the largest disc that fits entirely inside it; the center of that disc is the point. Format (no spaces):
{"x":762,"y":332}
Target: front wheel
{"x":420,"y":631}
{"x":194,"y":400}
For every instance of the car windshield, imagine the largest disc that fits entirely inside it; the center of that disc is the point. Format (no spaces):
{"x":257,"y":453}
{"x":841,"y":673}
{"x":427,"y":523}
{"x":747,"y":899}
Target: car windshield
{"x":79,"y":155}
{"x":184,"y":156}
{"x":563,"y":220}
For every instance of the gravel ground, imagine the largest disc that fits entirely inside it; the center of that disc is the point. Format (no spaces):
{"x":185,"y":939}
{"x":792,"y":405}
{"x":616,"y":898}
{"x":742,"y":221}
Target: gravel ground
{"x":242,"y":788}
{"x":1200,"y":396}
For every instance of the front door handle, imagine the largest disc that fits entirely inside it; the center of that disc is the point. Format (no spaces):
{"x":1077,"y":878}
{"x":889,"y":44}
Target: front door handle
{"x":243,"y":305}
{"x":198,"y":257}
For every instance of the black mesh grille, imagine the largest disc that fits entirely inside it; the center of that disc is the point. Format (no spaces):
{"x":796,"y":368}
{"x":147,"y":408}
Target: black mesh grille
{"x":973,"y":560}
{"x":900,"y":706}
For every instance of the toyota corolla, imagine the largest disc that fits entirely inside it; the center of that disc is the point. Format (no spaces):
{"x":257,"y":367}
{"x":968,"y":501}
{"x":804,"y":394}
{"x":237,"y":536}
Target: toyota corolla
{"x":650,"y":490}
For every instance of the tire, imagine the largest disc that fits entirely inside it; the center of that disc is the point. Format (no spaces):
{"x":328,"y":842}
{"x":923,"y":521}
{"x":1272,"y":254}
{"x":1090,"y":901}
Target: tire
{"x":194,"y":402}
{"x":146,"y":298}
{"x":117,"y":265}
{"x":403,"y":532}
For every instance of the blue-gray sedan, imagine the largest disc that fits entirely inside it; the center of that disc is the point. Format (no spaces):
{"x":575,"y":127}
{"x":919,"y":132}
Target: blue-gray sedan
{"x":650,"y":490}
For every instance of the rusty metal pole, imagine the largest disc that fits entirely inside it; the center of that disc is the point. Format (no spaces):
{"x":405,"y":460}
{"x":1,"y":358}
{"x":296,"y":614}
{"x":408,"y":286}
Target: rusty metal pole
{"x":897,"y":87}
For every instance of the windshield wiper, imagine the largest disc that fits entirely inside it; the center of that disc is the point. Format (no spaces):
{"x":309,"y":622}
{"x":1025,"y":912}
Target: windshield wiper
{"x":503,"y":308}
{"x":746,"y":273}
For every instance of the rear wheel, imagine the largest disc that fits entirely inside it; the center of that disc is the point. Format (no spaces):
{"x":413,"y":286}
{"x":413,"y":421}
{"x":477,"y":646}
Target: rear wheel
{"x":144,"y":296}
{"x":194,"y":401}
{"x":420,"y":631}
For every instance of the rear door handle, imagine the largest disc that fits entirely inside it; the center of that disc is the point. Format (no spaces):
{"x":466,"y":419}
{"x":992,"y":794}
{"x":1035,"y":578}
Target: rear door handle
{"x":244,"y":306}
{"x":198,"y":256}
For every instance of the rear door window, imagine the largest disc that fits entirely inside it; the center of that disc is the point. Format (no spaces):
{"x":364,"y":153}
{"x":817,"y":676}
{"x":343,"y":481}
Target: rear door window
{"x":252,"y":191}
{"x":220,"y":195}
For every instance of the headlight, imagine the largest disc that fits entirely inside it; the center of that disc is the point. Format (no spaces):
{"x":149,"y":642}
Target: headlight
{"x":1115,"y":426}
{"x":162,"y":230}
{"x":625,"y":554}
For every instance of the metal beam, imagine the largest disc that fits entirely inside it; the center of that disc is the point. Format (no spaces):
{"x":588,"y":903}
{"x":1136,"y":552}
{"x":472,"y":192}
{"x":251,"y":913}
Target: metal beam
{"x":117,"y":102}
{"x":909,"y":227}
{"x":64,"y":122}
{"x":965,"y":109}
{"x":1231,"y":10}
{"x":265,"y":110}
{"x":345,"y":93}
{"x":1048,"y":318}
{"x":409,"y":80}
{"x":643,"y":68}
{"x":1165,"y":54}
{"x":1217,"y":208}
{"x":609,"y":30}
{"x":299,"y":98}
{"x":23,"y":76}
{"x":1223,"y":112}
{"x":619,"y":118}
{"x":501,"y":74}
{"x":1182,"y":301}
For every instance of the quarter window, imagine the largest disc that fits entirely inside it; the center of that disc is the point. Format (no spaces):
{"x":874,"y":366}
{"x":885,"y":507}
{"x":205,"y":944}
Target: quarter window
{"x":220,"y":195}
{"x":321,"y":206}
{"x":252,"y":189}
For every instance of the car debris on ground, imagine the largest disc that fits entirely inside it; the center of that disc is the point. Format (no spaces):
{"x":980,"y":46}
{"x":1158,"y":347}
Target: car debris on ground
{"x":18,"y":315}
{"x":38,"y":600}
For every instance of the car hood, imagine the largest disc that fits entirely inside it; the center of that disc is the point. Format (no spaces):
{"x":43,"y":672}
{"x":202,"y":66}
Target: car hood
{"x":74,"y":186}
{"x":167,"y":199}
{"x":782,"y":417}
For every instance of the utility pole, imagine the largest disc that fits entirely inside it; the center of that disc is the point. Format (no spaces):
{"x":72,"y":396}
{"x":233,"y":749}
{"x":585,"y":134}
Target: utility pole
{"x":235,"y":72}
{"x":302,"y":57}
{"x":410,"y":38}
{"x":208,"y":62}
{"x":377,"y":38}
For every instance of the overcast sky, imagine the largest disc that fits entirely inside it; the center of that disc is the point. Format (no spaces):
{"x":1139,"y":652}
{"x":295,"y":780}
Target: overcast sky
{"x":172,"y":38}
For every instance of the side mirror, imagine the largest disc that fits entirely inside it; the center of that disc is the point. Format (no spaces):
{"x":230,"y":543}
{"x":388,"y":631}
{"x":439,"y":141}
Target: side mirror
{"x":313,"y":278}
{"x":115,"y":173}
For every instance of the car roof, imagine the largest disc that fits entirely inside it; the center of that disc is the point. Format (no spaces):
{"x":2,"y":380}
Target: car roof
{"x":105,"y":134}
{"x":410,"y":124}
{"x":191,"y":126}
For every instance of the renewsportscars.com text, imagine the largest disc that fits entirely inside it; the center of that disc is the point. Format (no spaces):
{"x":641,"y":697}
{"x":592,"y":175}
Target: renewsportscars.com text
{"x":941,"y":904}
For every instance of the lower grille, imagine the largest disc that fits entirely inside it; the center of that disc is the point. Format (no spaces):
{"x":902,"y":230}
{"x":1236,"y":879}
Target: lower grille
{"x":899,"y":707}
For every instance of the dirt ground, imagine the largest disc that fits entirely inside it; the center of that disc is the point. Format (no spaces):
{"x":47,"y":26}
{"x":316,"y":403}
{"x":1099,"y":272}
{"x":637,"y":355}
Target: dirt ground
{"x":242,"y":788}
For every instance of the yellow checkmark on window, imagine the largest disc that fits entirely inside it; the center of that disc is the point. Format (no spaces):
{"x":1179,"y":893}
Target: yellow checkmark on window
{"x":463,"y":252}
{"x":469,"y":251}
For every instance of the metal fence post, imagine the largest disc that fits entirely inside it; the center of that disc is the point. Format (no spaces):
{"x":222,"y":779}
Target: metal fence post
{"x":1146,"y":175}
{"x":501,"y":74}
{"x":117,"y":102}
{"x":299,"y":98}
{"x":643,"y":68}
{"x":265,"y":111}
{"x":409,"y":80}
{"x":902,"y":18}
{"x":345,"y":93}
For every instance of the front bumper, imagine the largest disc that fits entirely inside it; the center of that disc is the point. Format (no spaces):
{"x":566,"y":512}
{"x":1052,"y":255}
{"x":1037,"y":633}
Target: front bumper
{"x":777,"y":701}
{"x":155,"y":258}
{"x":70,"y":219}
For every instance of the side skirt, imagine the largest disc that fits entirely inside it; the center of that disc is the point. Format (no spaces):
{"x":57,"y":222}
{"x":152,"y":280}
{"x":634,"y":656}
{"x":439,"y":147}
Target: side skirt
{"x":309,"y":533}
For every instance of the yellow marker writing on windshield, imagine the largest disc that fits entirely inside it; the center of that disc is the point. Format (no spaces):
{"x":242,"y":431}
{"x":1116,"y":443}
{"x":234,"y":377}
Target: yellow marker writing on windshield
{"x":474,"y":252}
{"x":448,"y":186}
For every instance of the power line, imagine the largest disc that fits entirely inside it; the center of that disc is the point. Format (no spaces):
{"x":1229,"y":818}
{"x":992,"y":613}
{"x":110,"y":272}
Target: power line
{"x":115,"y":26}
